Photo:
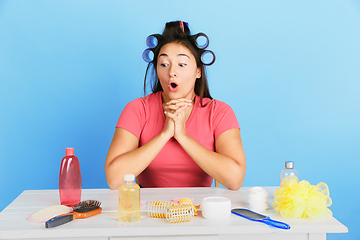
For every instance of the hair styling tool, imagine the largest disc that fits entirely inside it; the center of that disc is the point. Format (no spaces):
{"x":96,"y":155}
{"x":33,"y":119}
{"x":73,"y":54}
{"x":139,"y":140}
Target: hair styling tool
{"x":157,"y":209}
{"x":200,"y":41}
{"x":84,"y":209}
{"x":253,"y":216}
{"x":207,"y":57}
{"x":148,"y":55}
{"x":199,"y":38}
{"x":172,"y":213}
{"x":152,"y":41}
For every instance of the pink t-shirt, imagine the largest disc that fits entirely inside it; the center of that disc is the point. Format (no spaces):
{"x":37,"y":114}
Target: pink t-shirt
{"x":173,"y":167}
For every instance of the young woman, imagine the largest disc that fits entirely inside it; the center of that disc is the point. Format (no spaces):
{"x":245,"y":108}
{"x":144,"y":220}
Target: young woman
{"x":177,"y":136}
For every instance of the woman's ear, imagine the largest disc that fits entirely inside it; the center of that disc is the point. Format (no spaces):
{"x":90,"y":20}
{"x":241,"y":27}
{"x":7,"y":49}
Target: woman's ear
{"x":198,"y":73}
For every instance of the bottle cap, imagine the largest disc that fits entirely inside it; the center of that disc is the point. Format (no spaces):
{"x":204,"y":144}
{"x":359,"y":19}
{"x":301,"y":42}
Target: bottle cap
{"x":129,"y":177}
{"x":69,"y":151}
{"x":289,"y":165}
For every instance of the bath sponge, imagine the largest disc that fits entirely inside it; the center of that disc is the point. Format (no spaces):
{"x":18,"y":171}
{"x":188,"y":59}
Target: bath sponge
{"x":301,"y":199}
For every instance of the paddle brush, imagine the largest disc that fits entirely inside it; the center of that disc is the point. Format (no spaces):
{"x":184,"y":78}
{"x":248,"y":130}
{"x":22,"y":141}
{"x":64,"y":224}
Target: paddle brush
{"x":84,"y":209}
{"x":253,"y":216}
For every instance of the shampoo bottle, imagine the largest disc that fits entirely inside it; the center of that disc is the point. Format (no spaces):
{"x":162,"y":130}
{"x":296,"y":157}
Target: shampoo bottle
{"x":289,"y":170}
{"x":129,"y":200}
{"x":70,"y":179}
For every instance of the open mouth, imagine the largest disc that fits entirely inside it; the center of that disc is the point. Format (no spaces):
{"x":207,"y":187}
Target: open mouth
{"x":173,"y":86}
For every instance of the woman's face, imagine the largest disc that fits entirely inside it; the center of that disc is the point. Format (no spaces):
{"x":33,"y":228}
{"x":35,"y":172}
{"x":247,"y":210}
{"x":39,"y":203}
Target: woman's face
{"x":177,"y":71}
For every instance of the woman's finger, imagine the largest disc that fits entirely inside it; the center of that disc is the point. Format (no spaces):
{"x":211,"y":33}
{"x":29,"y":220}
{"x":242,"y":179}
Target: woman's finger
{"x":176,"y":106}
{"x":170,"y":114}
{"x":181,"y":109}
{"x":180,"y":100}
{"x":174,"y":113}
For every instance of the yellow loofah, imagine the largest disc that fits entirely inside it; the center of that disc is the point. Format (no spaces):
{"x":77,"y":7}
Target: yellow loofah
{"x":301,"y":199}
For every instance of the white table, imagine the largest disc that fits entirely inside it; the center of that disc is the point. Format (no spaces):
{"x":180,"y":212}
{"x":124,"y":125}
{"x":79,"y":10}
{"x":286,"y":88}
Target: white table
{"x":14,"y":223}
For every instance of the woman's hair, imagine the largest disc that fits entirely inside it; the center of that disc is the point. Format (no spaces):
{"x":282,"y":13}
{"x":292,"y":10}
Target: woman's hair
{"x":178,"y":32}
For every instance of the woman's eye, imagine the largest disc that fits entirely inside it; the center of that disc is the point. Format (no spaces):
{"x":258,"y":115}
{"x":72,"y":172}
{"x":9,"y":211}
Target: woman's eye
{"x":182,"y":64}
{"x":164,"y":64}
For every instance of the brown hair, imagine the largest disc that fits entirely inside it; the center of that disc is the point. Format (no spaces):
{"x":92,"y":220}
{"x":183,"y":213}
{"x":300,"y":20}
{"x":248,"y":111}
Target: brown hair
{"x":178,"y":32}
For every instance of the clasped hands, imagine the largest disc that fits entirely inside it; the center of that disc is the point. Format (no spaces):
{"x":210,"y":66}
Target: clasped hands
{"x":177,"y":112}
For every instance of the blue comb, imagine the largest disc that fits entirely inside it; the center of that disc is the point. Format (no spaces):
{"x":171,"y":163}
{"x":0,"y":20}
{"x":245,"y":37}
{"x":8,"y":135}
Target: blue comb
{"x":253,"y":216}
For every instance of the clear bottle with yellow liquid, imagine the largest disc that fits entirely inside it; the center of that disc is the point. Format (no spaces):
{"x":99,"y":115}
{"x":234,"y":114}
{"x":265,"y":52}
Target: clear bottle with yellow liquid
{"x":129,"y":200}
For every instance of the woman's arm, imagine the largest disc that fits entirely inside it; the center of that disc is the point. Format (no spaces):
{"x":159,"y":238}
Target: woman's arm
{"x":227,"y":165}
{"x":126,"y":157}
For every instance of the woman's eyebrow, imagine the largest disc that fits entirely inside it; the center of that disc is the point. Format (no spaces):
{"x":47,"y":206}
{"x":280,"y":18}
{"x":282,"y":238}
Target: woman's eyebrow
{"x":179,"y":55}
{"x":183,"y":55}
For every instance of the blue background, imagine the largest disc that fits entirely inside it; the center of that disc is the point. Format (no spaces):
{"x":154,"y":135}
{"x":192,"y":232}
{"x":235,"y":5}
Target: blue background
{"x":289,"y":69}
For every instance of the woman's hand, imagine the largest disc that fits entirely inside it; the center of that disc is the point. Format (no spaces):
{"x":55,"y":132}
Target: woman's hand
{"x":169,"y":127}
{"x":177,"y":113}
{"x":227,"y":165}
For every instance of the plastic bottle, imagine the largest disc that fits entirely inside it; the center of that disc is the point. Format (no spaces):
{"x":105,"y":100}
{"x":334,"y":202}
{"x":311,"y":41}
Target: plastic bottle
{"x":70,"y":179}
{"x":289,"y":170}
{"x":129,"y":200}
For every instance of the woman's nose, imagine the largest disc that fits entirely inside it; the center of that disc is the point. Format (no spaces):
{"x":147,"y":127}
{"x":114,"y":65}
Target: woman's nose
{"x":172,"y":71}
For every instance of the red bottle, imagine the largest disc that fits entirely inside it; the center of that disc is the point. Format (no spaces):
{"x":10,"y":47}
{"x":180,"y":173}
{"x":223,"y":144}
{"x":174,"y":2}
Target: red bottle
{"x":70,"y":179}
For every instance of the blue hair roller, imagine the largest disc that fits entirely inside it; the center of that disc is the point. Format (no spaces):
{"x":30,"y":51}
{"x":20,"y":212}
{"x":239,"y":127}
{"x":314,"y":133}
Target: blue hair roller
{"x":202,"y":41}
{"x":148,"y":55}
{"x":152,"y":41}
{"x":207,"y":58}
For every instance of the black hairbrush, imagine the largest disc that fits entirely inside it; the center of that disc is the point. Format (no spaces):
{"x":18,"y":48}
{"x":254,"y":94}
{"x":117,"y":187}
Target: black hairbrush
{"x":83,"y":209}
